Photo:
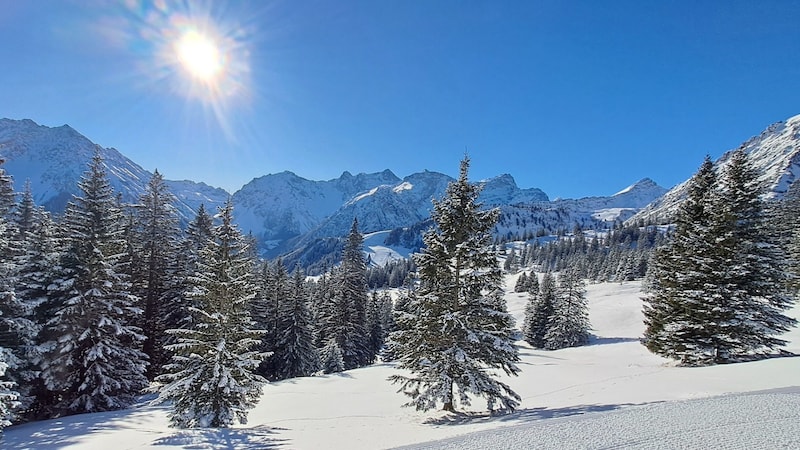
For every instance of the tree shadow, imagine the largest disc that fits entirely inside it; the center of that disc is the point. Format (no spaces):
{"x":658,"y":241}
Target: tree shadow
{"x":520,"y":415}
{"x":59,"y":433}
{"x":252,"y":438}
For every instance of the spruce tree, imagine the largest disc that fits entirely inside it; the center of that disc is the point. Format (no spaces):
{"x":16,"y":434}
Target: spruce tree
{"x":677,"y":305}
{"x":522,"y":283}
{"x":352,"y":335}
{"x":717,"y":292}
{"x":456,"y":333}
{"x":156,"y":241}
{"x":569,"y":324}
{"x":8,"y":397}
{"x":92,"y":361}
{"x":539,"y":312}
{"x":211,"y":379}
{"x":750,"y":281}
{"x":295,"y":353}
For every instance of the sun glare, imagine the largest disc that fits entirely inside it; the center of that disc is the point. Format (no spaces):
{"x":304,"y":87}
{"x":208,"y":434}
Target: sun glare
{"x":199,"y":55}
{"x":190,"y":49}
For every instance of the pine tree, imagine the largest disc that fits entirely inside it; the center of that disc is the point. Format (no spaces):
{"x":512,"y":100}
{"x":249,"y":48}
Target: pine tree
{"x":295,"y":353}
{"x":569,"y":324}
{"x":156,"y":241}
{"x":456,"y":332}
{"x":352,"y":337}
{"x":786,"y":221}
{"x":35,"y":273}
{"x":8,"y":397}
{"x":199,"y":232}
{"x":211,"y":380}
{"x":750,"y":291}
{"x":92,"y":362}
{"x":717,"y":291}
{"x":677,"y":306}
{"x":522,"y":283}
{"x":539,"y":312}
{"x":331,"y":356}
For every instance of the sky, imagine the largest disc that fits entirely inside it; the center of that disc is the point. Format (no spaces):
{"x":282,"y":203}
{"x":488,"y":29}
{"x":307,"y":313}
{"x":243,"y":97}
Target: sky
{"x":576,"y":98}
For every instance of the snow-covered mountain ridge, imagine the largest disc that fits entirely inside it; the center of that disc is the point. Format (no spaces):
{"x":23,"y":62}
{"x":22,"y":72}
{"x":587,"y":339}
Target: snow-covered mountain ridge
{"x":285,"y":211}
{"x":53,"y":160}
{"x":775,"y":155}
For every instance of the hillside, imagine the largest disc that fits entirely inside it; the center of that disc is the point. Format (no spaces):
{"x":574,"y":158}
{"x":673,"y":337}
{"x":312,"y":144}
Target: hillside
{"x":775,"y":154}
{"x":607,"y":394}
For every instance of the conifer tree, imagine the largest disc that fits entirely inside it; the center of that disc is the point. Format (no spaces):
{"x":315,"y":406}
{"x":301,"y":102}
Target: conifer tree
{"x":677,"y":304}
{"x":199,"y":232}
{"x":456,"y":333}
{"x":211,"y":380}
{"x":8,"y":397}
{"x":295,"y":353}
{"x":522,"y":283}
{"x":35,"y":273}
{"x":539,"y":312}
{"x":717,"y":291}
{"x":787,"y":223}
{"x":750,"y":295}
{"x":569,"y":324}
{"x":352,"y":337}
{"x":92,"y":361}
{"x":156,"y":241}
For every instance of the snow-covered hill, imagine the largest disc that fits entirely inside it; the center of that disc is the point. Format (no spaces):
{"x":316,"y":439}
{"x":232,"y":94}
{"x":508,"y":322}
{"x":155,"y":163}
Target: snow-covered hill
{"x":53,"y":159}
{"x":609,"y":394}
{"x":775,"y":154}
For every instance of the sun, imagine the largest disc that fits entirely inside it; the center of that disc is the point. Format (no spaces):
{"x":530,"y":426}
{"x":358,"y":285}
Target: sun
{"x":200,"y":56}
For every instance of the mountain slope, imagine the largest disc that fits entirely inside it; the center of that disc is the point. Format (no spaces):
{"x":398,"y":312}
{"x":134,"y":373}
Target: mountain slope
{"x":53,"y":159}
{"x":775,"y":154}
{"x":280,"y":206}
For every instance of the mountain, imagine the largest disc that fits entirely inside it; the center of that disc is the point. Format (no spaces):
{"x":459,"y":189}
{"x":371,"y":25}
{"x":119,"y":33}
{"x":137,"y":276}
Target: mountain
{"x":775,"y":155}
{"x":288,"y":214}
{"x":281,"y":206}
{"x":53,"y":160}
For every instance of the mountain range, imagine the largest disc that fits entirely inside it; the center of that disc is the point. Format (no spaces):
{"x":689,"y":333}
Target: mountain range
{"x":291,"y":215}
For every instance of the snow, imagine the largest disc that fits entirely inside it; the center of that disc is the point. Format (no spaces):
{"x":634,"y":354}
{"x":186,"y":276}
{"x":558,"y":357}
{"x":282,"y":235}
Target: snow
{"x":613,"y":393}
{"x":381,"y":254}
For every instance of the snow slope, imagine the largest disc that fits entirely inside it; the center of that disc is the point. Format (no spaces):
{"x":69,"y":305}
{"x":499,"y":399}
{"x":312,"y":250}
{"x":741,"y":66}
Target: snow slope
{"x":603,"y":395}
{"x":775,"y":155}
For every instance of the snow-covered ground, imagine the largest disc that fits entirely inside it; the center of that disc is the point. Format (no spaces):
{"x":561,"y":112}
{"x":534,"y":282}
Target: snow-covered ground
{"x":611,"y":394}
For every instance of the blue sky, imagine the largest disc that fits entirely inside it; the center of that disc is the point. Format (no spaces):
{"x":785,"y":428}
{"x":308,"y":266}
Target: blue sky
{"x":577,"y":98}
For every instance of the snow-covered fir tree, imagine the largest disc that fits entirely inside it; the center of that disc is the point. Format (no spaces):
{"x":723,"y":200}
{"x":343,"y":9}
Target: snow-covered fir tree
{"x":155,"y":270}
{"x":456,"y":333}
{"x":748,"y":269}
{"x":8,"y":396}
{"x":677,"y":305}
{"x":211,"y":380}
{"x":539,"y":312}
{"x":295,"y":353}
{"x":342,"y":314}
{"x":92,"y":360}
{"x":786,"y":221}
{"x":273,"y":291}
{"x":569,"y":324}
{"x":717,"y":291}
{"x":522,"y":283}
{"x":199,"y":232}
{"x":379,"y":321}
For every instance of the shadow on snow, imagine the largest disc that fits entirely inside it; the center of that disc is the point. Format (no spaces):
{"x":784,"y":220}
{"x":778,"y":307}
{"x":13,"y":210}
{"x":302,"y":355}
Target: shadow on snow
{"x":521,"y":415}
{"x":259,"y":437}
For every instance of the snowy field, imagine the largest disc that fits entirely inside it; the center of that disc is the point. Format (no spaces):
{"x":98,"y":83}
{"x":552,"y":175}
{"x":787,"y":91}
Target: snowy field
{"x":611,"y":394}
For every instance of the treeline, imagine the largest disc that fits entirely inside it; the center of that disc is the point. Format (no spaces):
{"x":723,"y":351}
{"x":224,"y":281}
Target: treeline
{"x":110,"y":298}
{"x":620,"y":254}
